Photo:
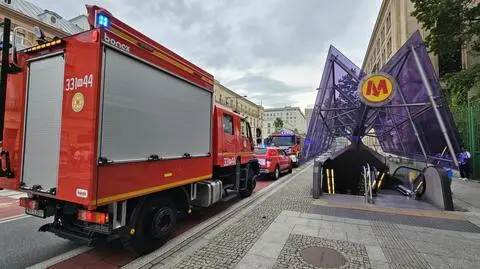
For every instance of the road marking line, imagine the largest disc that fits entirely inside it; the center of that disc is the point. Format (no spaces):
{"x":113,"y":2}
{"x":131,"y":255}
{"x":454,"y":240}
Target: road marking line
{"x":17,"y":217}
{"x":60,"y":258}
{"x":18,"y":196}
{"x":8,"y":193}
{"x":5,"y":204}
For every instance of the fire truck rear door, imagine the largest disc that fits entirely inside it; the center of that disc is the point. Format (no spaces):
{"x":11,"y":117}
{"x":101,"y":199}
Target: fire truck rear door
{"x":43,"y":122}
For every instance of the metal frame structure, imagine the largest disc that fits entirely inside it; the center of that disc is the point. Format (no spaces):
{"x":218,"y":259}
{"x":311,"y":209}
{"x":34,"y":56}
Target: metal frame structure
{"x":416,"y":123}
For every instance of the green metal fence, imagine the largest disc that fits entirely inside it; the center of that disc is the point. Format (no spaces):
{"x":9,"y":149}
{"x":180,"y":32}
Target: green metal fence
{"x":467,"y":120}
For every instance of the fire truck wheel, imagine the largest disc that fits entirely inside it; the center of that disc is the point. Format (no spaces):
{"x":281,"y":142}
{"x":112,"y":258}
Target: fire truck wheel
{"x":251,"y":184}
{"x":153,"y":224}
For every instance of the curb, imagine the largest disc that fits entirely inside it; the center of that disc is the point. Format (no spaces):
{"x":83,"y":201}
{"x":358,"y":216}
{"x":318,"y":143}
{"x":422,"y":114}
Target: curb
{"x":198,"y":232}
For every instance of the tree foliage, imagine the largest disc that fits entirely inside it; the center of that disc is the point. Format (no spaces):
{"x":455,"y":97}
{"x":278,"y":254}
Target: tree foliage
{"x":452,"y":25}
{"x":460,"y":83}
{"x":278,"y":124}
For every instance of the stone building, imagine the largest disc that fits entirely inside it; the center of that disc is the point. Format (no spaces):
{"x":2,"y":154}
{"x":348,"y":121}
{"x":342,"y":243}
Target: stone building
{"x":25,"y":15}
{"x":393,"y":27}
{"x":241,"y":104}
{"x":292,"y":117}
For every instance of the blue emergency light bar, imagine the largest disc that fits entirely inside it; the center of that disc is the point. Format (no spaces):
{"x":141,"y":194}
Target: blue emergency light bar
{"x":103,"y":20}
{"x":286,"y":132}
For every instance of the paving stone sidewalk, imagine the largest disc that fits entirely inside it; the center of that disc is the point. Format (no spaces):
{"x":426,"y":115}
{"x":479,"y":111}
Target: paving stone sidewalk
{"x":274,"y":232}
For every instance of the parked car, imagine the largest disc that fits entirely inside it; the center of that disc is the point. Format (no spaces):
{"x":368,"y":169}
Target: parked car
{"x":273,"y":161}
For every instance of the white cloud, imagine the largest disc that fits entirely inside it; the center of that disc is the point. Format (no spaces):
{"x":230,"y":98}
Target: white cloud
{"x":271,"y":50}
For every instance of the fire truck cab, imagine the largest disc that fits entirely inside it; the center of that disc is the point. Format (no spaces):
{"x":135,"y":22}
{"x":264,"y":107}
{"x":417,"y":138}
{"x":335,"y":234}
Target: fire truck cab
{"x":115,"y":136}
{"x":289,"y":141}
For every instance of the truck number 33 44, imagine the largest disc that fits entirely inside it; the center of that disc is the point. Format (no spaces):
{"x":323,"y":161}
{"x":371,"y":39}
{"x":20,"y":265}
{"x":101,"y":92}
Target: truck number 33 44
{"x":76,"y":83}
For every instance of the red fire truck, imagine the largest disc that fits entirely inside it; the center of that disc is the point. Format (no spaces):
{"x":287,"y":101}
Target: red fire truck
{"x":289,"y":141}
{"x":117,"y":137}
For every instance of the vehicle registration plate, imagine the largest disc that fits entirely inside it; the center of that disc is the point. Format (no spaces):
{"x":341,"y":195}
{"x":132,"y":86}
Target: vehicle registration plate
{"x":261,"y":161}
{"x":35,"y":212}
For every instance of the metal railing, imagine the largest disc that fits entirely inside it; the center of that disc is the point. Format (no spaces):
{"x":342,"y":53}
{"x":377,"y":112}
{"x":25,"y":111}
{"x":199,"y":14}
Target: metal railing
{"x":368,"y":177}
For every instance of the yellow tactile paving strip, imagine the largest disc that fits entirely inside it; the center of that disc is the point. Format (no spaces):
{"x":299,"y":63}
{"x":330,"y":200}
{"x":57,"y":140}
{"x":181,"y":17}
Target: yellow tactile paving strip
{"x":391,"y":210}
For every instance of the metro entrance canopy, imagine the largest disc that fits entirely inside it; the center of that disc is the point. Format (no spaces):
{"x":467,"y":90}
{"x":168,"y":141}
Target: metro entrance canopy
{"x":401,"y":105}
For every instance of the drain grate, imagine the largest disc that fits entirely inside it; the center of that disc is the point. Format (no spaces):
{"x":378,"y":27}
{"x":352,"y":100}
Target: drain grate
{"x":323,"y":257}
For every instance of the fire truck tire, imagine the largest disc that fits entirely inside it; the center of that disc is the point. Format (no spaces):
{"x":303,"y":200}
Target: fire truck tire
{"x":153,"y":224}
{"x":251,"y":184}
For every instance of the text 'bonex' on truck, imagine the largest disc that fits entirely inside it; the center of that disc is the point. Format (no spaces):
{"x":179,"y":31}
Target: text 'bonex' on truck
{"x":115,"y":136}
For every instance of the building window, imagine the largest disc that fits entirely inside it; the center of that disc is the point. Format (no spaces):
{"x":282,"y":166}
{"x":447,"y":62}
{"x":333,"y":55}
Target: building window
{"x":389,"y":46}
{"x":20,"y":38}
{"x":388,"y":21}
{"x":227,"y":124}
{"x":243,"y":127}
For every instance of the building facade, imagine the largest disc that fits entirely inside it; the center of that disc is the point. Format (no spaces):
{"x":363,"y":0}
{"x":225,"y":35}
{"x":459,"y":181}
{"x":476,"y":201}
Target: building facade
{"x":25,"y":15}
{"x":292,"y":117}
{"x":393,"y":27}
{"x":252,"y":112}
{"x":308,"y":115}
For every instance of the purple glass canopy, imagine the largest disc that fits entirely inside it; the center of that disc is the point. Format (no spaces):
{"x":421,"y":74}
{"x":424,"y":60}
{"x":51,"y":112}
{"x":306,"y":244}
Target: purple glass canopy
{"x":338,"y":110}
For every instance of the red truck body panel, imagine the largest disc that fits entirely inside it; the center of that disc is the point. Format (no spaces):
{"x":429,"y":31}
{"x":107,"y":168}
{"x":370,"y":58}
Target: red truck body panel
{"x":81,"y":179}
{"x":227,"y":146}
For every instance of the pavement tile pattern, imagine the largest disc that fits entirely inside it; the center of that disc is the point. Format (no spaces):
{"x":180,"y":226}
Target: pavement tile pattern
{"x":228,"y":247}
{"x":460,"y":224}
{"x":290,"y":256}
{"x":398,"y":252}
{"x":272,"y":233}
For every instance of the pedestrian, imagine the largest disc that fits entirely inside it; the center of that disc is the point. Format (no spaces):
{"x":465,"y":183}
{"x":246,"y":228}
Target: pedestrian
{"x":464,"y":161}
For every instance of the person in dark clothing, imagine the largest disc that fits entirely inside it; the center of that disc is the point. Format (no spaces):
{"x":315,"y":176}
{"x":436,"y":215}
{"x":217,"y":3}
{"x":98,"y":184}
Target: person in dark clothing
{"x":464,"y":164}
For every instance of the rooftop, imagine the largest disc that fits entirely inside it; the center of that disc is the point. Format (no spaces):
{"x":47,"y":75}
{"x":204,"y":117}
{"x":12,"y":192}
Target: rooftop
{"x":43,"y":15}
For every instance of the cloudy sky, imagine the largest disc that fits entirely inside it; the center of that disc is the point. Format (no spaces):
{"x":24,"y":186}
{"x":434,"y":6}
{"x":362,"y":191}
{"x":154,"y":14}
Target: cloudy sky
{"x":273,"y":51}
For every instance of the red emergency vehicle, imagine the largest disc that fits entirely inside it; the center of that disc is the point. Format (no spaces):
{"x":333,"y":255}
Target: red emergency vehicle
{"x":289,"y":141}
{"x":115,"y":136}
{"x":273,"y":161}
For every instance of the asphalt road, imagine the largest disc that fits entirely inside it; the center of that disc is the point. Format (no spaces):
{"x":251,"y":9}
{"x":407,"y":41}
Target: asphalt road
{"x":22,"y":246}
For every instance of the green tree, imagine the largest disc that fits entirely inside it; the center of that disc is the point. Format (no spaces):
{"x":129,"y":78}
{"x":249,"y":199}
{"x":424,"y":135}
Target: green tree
{"x":278,"y":124}
{"x":451,"y":26}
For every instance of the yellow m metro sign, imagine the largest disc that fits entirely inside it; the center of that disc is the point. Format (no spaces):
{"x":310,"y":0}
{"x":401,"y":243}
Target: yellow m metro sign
{"x":376,"y":89}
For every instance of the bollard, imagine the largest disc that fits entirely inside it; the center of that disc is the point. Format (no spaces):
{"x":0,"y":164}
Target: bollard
{"x":317,"y":179}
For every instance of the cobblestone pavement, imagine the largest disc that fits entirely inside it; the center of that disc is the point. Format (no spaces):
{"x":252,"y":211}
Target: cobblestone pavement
{"x":228,"y":247}
{"x":355,"y":254}
{"x":273,"y":232}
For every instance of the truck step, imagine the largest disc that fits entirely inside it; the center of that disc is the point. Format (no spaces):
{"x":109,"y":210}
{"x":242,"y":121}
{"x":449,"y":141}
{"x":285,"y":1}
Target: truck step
{"x":230,"y":196}
{"x":69,"y":234}
{"x":228,"y":186}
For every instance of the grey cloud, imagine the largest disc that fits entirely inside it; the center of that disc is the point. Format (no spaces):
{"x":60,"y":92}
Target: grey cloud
{"x":240,"y":34}
{"x":271,"y":92}
{"x":246,"y":35}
